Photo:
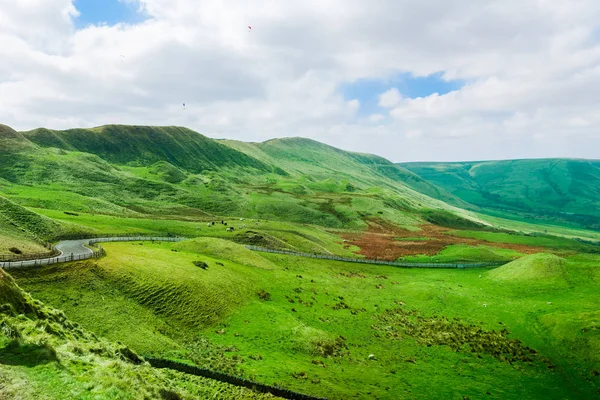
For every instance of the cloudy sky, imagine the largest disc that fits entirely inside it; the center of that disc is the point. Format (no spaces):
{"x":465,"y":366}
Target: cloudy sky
{"x":409,"y":80}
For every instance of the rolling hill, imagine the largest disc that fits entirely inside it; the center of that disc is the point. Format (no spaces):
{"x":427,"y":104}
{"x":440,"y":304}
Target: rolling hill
{"x":144,"y":146}
{"x":139,"y":170}
{"x":300,"y":156}
{"x":559,"y":190}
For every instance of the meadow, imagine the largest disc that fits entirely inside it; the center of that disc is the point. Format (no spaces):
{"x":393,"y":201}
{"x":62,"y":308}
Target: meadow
{"x":310,"y":325}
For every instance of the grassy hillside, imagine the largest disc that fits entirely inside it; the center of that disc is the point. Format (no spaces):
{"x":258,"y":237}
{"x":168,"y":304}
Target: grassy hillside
{"x":135,"y":171}
{"x":310,"y":325}
{"x":144,"y":146}
{"x":300,"y":156}
{"x":25,"y":230}
{"x":44,"y":355}
{"x":559,"y":190}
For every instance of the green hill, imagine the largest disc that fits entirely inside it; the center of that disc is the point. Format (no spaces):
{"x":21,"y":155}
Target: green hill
{"x":537,"y":268}
{"x":133,"y":170}
{"x":559,"y":190}
{"x":320,"y":167}
{"x":144,"y":146}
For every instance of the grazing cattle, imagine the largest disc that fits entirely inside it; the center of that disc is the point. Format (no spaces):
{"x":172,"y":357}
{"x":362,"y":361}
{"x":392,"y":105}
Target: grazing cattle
{"x":230,"y":229}
{"x":208,"y":224}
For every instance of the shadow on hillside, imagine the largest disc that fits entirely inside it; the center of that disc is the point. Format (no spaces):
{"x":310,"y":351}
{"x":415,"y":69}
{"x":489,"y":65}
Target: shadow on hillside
{"x":28,"y":355}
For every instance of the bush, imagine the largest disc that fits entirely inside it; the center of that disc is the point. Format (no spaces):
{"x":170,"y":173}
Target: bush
{"x":201,"y":264}
{"x":264,"y":295}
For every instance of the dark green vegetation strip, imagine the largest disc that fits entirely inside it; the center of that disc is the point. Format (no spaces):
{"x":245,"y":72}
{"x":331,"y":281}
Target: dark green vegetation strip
{"x":231,"y":379}
{"x":367,"y":261}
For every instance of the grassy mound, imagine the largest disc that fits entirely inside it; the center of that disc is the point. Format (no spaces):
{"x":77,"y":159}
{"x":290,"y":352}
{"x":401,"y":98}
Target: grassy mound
{"x":533,"y":267}
{"x":225,"y":250}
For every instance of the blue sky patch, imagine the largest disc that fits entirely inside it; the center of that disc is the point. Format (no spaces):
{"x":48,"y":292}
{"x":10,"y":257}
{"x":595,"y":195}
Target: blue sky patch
{"x":111,"y":12}
{"x":367,"y":91}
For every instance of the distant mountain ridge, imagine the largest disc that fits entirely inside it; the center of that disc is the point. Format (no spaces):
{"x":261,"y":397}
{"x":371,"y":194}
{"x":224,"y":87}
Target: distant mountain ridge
{"x":561,"y":190}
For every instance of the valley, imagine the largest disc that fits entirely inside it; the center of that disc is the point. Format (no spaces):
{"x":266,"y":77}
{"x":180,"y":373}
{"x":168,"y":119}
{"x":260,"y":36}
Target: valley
{"x":527,"y":329}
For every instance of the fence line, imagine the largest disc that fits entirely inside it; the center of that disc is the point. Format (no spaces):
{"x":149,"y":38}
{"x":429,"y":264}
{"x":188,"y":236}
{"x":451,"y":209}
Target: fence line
{"x":30,"y":256}
{"x":80,"y":236}
{"x":137,"y":239}
{"x":379,"y":262}
{"x":172,"y":238}
{"x":100,"y":252}
{"x":47,"y":261}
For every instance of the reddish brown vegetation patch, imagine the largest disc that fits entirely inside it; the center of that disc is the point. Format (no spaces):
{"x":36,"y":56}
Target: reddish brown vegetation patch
{"x":380,"y":241}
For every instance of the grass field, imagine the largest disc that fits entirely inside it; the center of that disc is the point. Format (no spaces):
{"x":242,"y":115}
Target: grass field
{"x":43,"y":355}
{"x":321,"y":320}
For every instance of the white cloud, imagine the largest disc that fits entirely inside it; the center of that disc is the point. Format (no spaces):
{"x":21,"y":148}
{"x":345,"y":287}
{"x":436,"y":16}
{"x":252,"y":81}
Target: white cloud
{"x":532,"y":70}
{"x":390,"y":98}
{"x":376,"y":117}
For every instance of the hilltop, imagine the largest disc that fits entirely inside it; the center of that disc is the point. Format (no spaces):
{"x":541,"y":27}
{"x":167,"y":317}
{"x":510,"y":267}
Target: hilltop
{"x":144,"y":146}
{"x":557,"y":190}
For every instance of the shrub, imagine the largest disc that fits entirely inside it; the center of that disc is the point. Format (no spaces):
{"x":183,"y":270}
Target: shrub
{"x":264,"y":295}
{"x":201,"y":264}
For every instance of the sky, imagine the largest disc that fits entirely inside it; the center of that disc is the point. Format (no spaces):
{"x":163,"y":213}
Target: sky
{"x":434,"y":80}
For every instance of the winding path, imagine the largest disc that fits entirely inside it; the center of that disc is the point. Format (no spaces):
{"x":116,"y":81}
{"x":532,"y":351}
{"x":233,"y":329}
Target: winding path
{"x":74,"y":250}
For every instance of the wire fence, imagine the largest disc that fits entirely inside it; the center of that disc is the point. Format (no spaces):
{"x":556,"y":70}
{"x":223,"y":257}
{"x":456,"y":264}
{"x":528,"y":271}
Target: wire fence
{"x":137,"y":239}
{"x":379,"y":262}
{"x":80,"y":235}
{"x":99,"y":252}
{"x":31,"y":256}
{"x":45,"y":260}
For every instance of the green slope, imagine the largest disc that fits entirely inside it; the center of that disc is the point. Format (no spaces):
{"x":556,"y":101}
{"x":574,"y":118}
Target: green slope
{"x":301,"y":157}
{"x":561,"y":190}
{"x":43,"y":355}
{"x":144,"y":146}
{"x":133,"y":170}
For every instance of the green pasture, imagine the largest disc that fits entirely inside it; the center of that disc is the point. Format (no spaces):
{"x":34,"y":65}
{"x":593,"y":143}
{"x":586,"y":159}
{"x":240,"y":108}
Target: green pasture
{"x":310,"y":325}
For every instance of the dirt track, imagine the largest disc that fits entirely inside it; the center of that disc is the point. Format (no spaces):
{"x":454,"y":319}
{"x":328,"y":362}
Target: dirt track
{"x":380,"y":240}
